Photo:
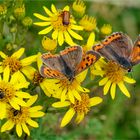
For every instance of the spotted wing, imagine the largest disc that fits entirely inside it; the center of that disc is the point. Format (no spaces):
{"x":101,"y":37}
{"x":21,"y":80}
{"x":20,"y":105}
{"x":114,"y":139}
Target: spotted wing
{"x":50,"y":73}
{"x":88,"y":59}
{"x":53,"y":62}
{"x":135,"y":55}
{"x":115,"y":46}
{"x":72,"y":56}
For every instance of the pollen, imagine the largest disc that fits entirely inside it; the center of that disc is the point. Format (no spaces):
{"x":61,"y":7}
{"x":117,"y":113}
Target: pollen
{"x":13,"y":63}
{"x":37,"y":78}
{"x":18,"y":116}
{"x":114,"y":72}
{"x":83,"y":105}
{"x":7,"y":92}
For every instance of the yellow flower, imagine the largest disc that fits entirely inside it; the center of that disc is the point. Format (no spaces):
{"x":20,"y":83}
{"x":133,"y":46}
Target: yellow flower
{"x":27,"y":21}
{"x":10,"y":91}
{"x":3,"y":9}
{"x":19,"y":12}
{"x":22,"y":118}
{"x":79,"y":8}
{"x":54,"y":22}
{"x":65,"y":89}
{"x":36,"y":78}
{"x":90,"y":42}
{"x":81,"y":108}
{"x":106,"y":29}
{"x":113,"y":74}
{"x":14,"y":62}
{"x":89,"y":23}
{"x":49,"y":44}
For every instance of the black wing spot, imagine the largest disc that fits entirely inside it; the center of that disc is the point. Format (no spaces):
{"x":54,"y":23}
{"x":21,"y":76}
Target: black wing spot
{"x":86,"y":64}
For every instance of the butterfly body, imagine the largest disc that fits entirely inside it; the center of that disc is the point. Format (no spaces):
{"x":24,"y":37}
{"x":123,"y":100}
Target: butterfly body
{"x":118,"y":47}
{"x":69,"y":63}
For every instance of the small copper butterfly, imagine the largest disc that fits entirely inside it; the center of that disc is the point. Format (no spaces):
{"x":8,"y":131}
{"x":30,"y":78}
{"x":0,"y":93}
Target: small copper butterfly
{"x":119,"y":47}
{"x":68,"y":63}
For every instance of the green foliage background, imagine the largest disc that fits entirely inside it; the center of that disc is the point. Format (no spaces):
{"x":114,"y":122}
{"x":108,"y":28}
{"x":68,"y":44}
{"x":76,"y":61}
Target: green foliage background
{"x":111,"y":120}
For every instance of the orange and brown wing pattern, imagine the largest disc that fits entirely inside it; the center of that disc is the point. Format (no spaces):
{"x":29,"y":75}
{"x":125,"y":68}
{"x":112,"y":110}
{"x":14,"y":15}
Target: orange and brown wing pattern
{"x":88,"y":59}
{"x":135,"y":55}
{"x":49,"y":73}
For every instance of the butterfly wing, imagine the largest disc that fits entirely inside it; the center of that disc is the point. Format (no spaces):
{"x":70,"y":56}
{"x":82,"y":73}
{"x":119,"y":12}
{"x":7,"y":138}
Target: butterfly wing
{"x":50,"y":73}
{"x":135,"y":55}
{"x":116,"y":47}
{"x":88,"y":59}
{"x":72,"y":56}
{"x":53,"y":62}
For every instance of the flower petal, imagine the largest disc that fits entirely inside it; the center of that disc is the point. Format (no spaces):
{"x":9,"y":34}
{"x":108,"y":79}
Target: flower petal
{"x":6,"y":74}
{"x":7,"y":126}
{"x":61,"y":104}
{"x":43,"y":86}
{"x":94,"y":101}
{"x":76,"y":27}
{"x":76,"y":94}
{"x":14,"y":105}
{"x":22,"y":94}
{"x":48,"y":12}
{"x":18,"y":130}
{"x":28,"y":60}
{"x":66,"y":8}
{"x":60,"y":38}
{"x":124,"y":89}
{"x":80,"y":77}
{"x":55,"y":34}
{"x":32,"y":100}
{"x":35,"y":108}
{"x":129,"y":80}
{"x":112,"y":90}
{"x":18,"y":53}
{"x":103,"y":81}
{"x":79,"y":118}
{"x":91,"y":39}
{"x":25,"y":129}
{"x":1,"y":69}
{"x":19,"y":101}
{"x":42,"y":23}
{"x":106,"y":87}
{"x":42,"y":17}
{"x":3,"y":110}
{"x":3,"y":55}
{"x":37,"y":114}
{"x":63,"y":95}
{"x":53,"y":8}
{"x":68,"y":39}
{"x":32,"y":123}
{"x":46,"y":30}
{"x":71,"y":97}
{"x":75,"y":35}
{"x":67,"y":117}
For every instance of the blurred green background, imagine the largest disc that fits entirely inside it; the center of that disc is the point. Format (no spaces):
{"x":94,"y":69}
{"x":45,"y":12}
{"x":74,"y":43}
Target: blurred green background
{"x":111,"y":120}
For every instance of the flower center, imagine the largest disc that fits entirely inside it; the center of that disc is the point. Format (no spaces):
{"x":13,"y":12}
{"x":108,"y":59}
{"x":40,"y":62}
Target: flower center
{"x":18,"y":116}
{"x":114,"y":72}
{"x":57,"y":22}
{"x":7,"y":92}
{"x":13,"y":63}
{"x":37,"y":78}
{"x":83,"y":105}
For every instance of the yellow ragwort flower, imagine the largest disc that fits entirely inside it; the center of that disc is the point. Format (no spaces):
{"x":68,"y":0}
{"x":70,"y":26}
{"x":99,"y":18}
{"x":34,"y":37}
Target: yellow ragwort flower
{"x":62,"y":32}
{"x":36,"y":78}
{"x":90,"y":42}
{"x":14,"y":62}
{"x":27,"y":21}
{"x":19,"y":12}
{"x":81,"y":108}
{"x":49,"y":44}
{"x":10,"y":91}
{"x":22,"y":118}
{"x":106,"y":29}
{"x":89,"y":23}
{"x":3,"y":9}
{"x":65,"y":89}
{"x":79,"y":8}
{"x":113,"y":74}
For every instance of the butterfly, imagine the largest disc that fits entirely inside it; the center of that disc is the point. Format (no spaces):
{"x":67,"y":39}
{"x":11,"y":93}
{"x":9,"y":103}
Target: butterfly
{"x":119,"y":47}
{"x":69,"y":63}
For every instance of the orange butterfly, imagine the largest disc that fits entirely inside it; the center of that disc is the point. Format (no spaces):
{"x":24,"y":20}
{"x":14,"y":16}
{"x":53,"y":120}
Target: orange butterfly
{"x":68,"y":63}
{"x":120,"y":48}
